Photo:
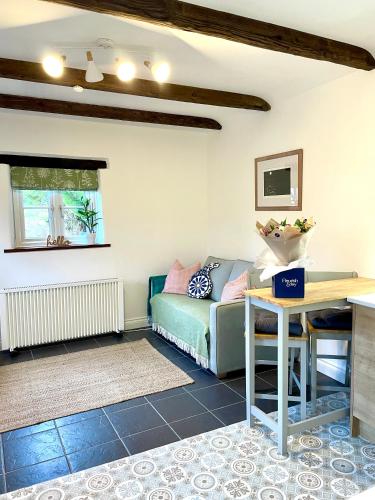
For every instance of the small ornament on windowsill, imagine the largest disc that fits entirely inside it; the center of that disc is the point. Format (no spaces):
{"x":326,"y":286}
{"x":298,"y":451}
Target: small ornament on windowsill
{"x":60,"y":241}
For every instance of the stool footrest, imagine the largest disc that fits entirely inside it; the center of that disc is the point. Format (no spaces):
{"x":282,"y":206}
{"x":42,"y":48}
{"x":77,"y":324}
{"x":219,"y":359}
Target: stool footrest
{"x":333,"y":388}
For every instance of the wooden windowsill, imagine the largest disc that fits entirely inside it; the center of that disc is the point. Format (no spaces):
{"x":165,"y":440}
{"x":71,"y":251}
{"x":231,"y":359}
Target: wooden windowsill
{"x":42,"y":249}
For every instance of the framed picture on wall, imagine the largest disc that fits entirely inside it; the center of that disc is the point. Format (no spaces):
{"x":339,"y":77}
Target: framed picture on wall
{"x":278,"y":181}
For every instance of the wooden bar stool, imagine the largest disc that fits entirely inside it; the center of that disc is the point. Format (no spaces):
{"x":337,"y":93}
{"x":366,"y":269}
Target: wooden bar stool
{"x":294,"y":342}
{"x":316,"y":334}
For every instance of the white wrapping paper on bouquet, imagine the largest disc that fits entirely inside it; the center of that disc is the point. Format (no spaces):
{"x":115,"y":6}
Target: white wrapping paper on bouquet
{"x":287,"y":250}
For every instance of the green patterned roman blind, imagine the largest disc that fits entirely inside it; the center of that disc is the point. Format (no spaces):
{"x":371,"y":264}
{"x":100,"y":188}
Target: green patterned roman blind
{"x":54,"y":179}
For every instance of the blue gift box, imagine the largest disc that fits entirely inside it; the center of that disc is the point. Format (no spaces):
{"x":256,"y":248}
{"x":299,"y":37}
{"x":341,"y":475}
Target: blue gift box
{"x":289,"y":284}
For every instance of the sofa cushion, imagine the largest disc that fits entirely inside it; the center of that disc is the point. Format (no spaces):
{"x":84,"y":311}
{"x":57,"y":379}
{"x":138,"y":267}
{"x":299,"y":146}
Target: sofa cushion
{"x":331,"y":319}
{"x":178,"y":277}
{"x":200,"y":285}
{"x":235,"y":289}
{"x":266,"y":322}
{"x":219,"y":276}
{"x":185,"y":321}
{"x":239,"y":267}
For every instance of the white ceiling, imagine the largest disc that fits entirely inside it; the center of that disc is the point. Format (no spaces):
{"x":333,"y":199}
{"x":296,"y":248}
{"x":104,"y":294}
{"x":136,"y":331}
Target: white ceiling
{"x":29,"y":28}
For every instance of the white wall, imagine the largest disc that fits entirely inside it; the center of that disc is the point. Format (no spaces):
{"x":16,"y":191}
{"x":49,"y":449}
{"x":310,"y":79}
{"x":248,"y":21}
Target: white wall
{"x":152,"y":210}
{"x":335,"y":126}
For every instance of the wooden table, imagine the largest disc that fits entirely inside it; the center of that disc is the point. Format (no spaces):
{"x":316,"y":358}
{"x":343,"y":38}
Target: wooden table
{"x":320,"y":295}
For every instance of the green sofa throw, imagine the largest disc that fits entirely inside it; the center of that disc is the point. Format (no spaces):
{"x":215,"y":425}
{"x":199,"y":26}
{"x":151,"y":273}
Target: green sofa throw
{"x":184,"y":321}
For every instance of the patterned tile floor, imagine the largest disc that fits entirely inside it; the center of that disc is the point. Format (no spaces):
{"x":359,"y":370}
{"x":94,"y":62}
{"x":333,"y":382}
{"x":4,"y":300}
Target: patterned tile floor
{"x":233,"y":462}
{"x":77,"y":442}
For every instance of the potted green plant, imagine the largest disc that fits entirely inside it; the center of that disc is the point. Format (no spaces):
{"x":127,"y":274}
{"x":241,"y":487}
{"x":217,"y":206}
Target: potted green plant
{"x":88,"y":218}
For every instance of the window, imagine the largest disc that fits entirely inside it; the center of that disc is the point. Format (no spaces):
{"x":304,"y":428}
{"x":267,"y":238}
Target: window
{"x":38,"y":214}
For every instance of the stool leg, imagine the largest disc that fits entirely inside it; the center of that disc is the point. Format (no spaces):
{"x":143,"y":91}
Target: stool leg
{"x":303,"y":379}
{"x":291,"y":369}
{"x":313,"y":372}
{"x":348,"y":363}
{"x":308,"y":361}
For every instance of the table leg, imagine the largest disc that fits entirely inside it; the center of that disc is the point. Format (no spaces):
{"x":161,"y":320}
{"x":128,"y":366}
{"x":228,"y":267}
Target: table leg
{"x":303,"y":379}
{"x":250,"y":360}
{"x":313,"y":371}
{"x":282,"y":385}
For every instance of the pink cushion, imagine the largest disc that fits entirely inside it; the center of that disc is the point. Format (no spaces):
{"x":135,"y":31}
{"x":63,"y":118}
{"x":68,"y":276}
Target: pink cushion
{"x":178,"y":277}
{"x":235,"y":289}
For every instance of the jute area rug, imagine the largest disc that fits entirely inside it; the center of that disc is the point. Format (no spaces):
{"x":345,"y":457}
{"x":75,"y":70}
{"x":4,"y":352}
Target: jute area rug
{"x":44,"y":389}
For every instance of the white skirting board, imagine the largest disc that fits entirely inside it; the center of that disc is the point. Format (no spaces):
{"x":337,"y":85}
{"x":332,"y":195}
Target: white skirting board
{"x":334,"y":368}
{"x":331,"y":370}
{"x":141,"y":322}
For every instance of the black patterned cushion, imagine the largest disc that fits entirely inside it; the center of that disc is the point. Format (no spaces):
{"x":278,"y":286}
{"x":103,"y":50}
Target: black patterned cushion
{"x":200,"y":285}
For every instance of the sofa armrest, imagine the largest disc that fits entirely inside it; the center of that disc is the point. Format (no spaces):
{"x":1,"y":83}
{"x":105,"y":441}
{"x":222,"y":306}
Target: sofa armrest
{"x":227,"y":340}
{"x":155,"y":285}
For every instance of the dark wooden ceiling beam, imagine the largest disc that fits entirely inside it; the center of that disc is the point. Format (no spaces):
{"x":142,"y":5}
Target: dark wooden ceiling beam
{"x":33,"y":72}
{"x":18,"y":102}
{"x":188,"y":17}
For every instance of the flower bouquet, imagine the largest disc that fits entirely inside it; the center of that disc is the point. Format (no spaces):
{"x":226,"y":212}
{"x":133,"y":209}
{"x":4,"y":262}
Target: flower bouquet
{"x":287,"y":251}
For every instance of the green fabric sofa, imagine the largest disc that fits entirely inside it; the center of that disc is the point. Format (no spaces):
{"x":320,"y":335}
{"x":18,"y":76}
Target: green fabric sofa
{"x":212,"y":332}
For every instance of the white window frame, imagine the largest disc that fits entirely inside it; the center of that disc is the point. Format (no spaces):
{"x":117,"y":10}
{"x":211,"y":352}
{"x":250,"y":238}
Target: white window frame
{"x":56,"y":218}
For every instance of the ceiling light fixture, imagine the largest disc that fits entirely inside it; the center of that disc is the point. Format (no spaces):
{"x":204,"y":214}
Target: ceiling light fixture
{"x":93,"y":74}
{"x":125,"y":68}
{"x":160,"y":71}
{"x":53,"y":65}
{"x":126,"y":71}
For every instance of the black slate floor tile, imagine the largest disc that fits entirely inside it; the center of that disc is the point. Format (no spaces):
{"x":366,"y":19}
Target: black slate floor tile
{"x":88,"y":433}
{"x":45,"y":351}
{"x":238,"y":385}
{"x":130,"y":403}
{"x":98,"y":455}
{"x":137,"y":419}
{"x":262,"y":385}
{"x":323,"y":379}
{"x":17,"y":357}
{"x":270,"y":377}
{"x":165,"y":394}
{"x":143,"y":441}
{"x":38,"y":473}
{"x":185,"y":363}
{"x":216,"y":396}
{"x":196,"y":425}
{"x":168,"y":351}
{"x":81,"y":345}
{"x":201,"y":379}
{"x":267,"y":405}
{"x":178,"y":407}
{"x":231,"y":414}
{"x":110,"y":339}
{"x":32,"y":449}
{"x":26,"y":431}
{"x":78,"y":417}
{"x":233,"y":375}
{"x":141,"y":334}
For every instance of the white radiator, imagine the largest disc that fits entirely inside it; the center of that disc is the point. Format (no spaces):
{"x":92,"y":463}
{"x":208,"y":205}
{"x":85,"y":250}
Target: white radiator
{"x":51,"y":313}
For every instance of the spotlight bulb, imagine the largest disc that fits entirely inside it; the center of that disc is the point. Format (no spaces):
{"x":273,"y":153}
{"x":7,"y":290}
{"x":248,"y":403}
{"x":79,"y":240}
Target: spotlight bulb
{"x":126,"y":71}
{"x":161,"y":72}
{"x":53,"y":66}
